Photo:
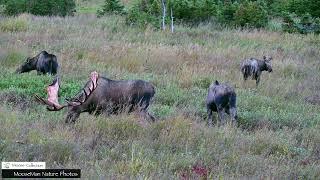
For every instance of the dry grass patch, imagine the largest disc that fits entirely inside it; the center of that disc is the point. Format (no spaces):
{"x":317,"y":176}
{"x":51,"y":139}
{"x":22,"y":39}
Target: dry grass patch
{"x":16,"y":24}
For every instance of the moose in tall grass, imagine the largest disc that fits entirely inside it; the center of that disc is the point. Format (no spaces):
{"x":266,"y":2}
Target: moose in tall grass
{"x":254,"y":67}
{"x":103,"y":95}
{"x":43,"y":63}
{"x":222,"y":99}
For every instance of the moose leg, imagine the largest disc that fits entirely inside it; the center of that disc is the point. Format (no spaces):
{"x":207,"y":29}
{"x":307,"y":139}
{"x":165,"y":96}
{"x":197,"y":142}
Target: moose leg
{"x":233,"y":112}
{"x":245,"y":77}
{"x":210,"y":122}
{"x":147,"y":116}
{"x":221,"y":115}
{"x":151,"y":117}
{"x":53,"y":71}
{"x":257,"y":77}
{"x":257,"y":81}
{"x":45,"y":70}
{"x":227,"y":110}
{"x":143,"y":109}
{"x":131,"y":108}
{"x":48,"y":70}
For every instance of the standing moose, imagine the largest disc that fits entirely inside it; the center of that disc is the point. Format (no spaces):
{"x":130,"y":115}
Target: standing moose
{"x":103,"y":95}
{"x":254,"y":67}
{"x":221,"y":98}
{"x":43,"y":62}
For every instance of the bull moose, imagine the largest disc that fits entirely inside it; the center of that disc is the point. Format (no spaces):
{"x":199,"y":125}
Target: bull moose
{"x":253,"y":67}
{"x":221,"y":98}
{"x":43,"y":63}
{"x":103,"y":95}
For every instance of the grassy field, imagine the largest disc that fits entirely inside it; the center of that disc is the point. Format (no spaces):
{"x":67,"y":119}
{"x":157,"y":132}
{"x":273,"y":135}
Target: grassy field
{"x":278,"y":130}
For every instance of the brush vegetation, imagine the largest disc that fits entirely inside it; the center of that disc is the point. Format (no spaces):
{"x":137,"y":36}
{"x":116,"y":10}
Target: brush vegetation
{"x":277,"y":134}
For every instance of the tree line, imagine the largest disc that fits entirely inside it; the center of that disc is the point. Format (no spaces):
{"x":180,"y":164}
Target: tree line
{"x":296,"y":16}
{"x":302,"y":16}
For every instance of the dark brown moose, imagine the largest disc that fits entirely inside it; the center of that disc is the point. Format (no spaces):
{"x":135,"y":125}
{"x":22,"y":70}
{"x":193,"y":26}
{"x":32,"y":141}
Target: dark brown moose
{"x":103,"y":95}
{"x":254,"y":67}
{"x":43,"y":62}
{"x":221,"y":98}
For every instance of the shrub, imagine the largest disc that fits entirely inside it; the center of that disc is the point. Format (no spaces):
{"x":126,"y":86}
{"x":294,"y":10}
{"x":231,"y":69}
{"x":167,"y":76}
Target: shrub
{"x":251,"y":14}
{"x":111,"y":6}
{"x":39,"y":7}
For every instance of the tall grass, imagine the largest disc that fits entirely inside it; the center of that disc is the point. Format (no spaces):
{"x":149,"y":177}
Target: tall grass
{"x":18,"y":24}
{"x":277,"y":136}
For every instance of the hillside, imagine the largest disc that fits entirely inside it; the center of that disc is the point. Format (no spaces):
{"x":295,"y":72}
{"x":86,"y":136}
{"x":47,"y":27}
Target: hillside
{"x":278,"y":130}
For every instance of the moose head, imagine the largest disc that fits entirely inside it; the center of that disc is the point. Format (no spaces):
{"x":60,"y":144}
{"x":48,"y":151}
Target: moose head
{"x":267,"y":62}
{"x":27,"y":66}
{"x":74,"y":104}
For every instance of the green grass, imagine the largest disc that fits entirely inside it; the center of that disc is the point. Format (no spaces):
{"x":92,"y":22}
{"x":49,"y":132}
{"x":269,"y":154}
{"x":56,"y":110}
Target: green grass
{"x":277,"y":134}
{"x":88,"y":6}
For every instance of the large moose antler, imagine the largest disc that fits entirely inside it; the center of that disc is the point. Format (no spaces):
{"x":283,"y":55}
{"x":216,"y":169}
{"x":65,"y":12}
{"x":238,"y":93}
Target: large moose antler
{"x":86,"y":91}
{"x":52,"y":102}
{"x":53,"y":89}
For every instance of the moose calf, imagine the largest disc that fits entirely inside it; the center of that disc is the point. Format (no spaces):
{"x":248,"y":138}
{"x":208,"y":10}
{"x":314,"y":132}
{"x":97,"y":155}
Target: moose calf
{"x":254,"y":67}
{"x":44,"y":63}
{"x":221,"y":98}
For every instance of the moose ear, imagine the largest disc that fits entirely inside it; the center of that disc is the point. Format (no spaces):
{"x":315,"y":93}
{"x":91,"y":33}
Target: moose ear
{"x":28,"y":59}
{"x":216,"y":82}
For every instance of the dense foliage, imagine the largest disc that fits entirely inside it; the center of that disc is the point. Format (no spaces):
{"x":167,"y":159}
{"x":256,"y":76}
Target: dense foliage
{"x":251,"y":14}
{"x":302,"y":7}
{"x":40,"y":7}
{"x":236,"y":13}
{"x":305,"y":24}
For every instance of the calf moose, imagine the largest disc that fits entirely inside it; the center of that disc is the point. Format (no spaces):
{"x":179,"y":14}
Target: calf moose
{"x":221,"y":98}
{"x":254,"y":67}
{"x":103,"y":95}
{"x":43,"y":62}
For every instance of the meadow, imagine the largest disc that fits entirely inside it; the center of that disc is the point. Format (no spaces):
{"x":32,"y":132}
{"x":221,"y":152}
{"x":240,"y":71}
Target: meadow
{"x":278,"y":131}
